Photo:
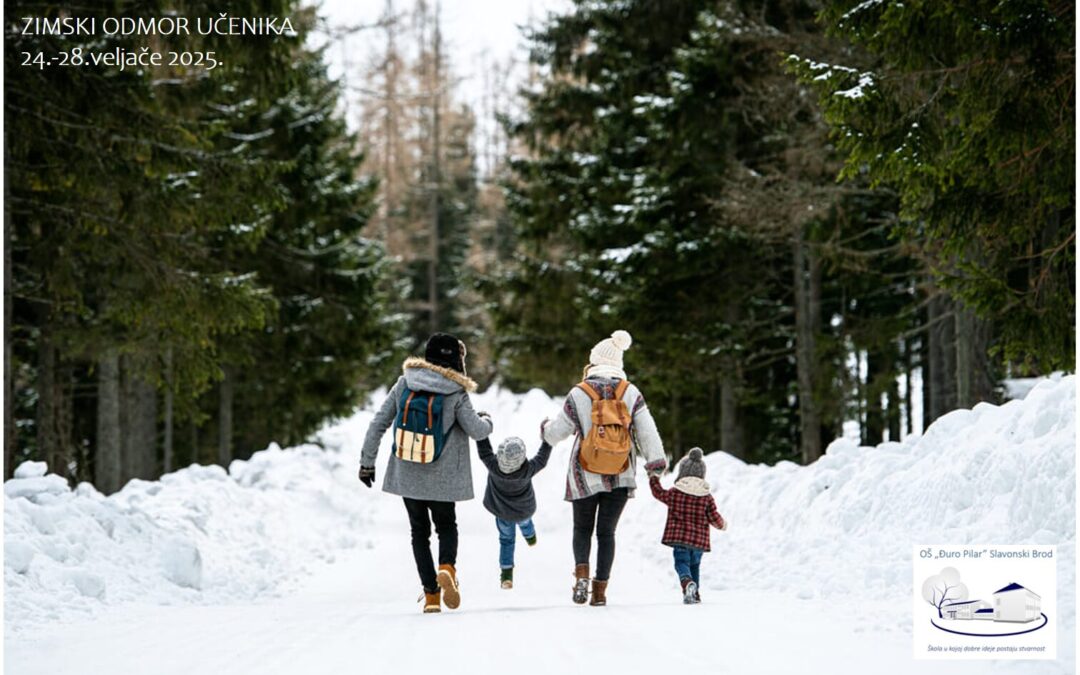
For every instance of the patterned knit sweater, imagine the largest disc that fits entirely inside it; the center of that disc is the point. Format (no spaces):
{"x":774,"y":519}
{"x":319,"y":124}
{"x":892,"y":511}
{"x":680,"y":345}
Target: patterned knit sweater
{"x":575,"y":419}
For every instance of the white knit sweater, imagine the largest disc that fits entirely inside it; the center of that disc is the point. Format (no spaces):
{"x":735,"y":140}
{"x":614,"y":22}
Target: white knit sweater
{"x":575,"y":418}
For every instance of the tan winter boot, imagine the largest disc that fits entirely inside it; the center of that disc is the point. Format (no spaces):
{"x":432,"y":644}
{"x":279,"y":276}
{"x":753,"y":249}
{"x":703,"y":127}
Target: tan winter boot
{"x":432,"y":604}
{"x":599,"y":590}
{"x":449,"y":585}
{"x":581,"y":583}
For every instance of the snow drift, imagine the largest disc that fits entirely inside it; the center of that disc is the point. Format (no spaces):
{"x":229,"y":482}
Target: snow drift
{"x":840,"y":529}
{"x":197,"y":535}
{"x":846,"y":524}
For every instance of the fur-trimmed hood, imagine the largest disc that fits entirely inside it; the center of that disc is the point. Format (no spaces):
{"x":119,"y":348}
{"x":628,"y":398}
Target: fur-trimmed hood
{"x":424,"y":376}
{"x":692,"y":485}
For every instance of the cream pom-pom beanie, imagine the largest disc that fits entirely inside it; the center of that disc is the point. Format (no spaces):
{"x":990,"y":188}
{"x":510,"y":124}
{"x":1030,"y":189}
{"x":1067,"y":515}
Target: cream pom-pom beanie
{"x":609,"y":351}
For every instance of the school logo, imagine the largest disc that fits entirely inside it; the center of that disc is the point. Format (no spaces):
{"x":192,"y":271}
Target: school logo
{"x":1012,"y":604}
{"x":994,"y":602}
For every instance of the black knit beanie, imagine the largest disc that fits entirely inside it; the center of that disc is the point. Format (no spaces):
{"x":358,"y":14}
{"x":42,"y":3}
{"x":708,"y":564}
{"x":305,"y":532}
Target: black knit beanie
{"x":447,"y":351}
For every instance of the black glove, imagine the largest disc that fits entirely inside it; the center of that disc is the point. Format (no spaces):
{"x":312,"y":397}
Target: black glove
{"x":367,"y":475}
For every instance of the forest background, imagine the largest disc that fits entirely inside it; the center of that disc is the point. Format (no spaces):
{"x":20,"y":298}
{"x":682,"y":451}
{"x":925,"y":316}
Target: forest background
{"x":816,"y":218}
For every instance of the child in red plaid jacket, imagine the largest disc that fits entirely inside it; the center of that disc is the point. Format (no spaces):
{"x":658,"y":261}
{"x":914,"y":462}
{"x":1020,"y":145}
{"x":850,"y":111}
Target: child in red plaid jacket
{"x":691,"y":509}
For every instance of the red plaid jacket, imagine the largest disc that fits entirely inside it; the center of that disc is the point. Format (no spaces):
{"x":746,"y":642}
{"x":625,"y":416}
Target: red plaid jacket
{"x":688,"y":518}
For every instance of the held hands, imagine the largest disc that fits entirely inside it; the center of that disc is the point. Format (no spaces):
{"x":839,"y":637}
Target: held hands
{"x":543,"y":425}
{"x":482,"y":414}
{"x":367,"y":475}
{"x":656,"y":468}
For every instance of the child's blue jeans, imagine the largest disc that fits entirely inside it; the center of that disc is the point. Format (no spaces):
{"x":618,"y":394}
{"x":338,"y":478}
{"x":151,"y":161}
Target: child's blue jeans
{"x":688,"y":562}
{"x":507,"y":534}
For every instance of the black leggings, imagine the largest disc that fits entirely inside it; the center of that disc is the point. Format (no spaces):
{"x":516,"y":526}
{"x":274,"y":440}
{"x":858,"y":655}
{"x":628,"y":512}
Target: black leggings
{"x":601,"y":511}
{"x":443,"y":514}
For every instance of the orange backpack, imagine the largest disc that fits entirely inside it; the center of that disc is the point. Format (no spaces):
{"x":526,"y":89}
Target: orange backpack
{"x":606,"y":449}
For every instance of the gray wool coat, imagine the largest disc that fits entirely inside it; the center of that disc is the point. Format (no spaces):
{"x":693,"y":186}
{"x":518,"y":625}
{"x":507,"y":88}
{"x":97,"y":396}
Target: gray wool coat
{"x":449,"y":478}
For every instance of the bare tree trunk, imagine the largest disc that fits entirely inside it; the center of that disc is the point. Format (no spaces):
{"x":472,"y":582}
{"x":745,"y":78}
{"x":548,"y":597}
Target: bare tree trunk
{"x":193,"y":437}
{"x":949,"y":399}
{"x":909,"y":367}
{"x":676,"y":435}
{"x":436,"y":178}
{"x":167,"y":449}
{"x":892,"y":393}
{"x":942,"y":352}
{"x":128,"y":470}
{"x":965,"y":336}
{"x":138,"y":422}
{"x":874,"y":432}
{"x":715,"y":432}
{"x":729,"y":426}
{"x":929,"y":364}
{"x":48,"y":440}
{"x":108,"y":468}
{"x":730,"y":436}
{"x":144,"y":432}
{"x":932,"y":363}
{"x":225,"y":417}
{"x":807,"y":282}
{"x":974,"y":382}
{"x":9,"y":382}
{"x":65,"y":420}
{"x":390,"y":124}
{"x":983,"y":379}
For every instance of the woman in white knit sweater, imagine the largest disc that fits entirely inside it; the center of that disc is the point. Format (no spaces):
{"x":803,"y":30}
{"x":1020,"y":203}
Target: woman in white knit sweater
{"x":598,"y":500}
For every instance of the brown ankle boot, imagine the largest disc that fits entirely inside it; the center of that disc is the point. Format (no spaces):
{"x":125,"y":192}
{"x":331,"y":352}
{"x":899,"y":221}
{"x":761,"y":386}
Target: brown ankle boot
{"x":599,"y":593}
{"x":581,"y":584}
{"x":432,"y":604}
{"x":448,"y":583}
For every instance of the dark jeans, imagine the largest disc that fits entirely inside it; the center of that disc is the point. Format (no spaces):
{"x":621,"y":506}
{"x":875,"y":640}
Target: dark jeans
{"x":688,"y":563}
{"x":444,"y":516}
{"x":601,"y":511}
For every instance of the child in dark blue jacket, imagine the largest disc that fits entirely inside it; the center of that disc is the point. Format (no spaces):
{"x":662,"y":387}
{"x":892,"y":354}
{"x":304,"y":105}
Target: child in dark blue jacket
{"x":510,"y":497}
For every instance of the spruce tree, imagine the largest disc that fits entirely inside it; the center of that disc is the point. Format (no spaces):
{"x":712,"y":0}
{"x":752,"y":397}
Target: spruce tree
{"x":966,"y":110}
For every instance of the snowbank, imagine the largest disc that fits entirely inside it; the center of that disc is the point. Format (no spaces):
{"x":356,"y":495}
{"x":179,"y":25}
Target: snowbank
{"x":1020,"y":387}
{"x":842,"y":528}
{"x":845,"y":525}
{"x":197,"y":535}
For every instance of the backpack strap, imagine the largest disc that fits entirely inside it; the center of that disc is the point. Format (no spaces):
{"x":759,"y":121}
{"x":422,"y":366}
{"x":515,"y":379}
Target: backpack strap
{"x":620,"y":390}
{"x":589,"y":390}
{"x":405,"y":409}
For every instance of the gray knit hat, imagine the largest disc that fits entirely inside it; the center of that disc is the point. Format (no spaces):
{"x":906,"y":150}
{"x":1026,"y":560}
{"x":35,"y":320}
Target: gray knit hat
{"x":692,"y":465}
{"x":511,"y":454}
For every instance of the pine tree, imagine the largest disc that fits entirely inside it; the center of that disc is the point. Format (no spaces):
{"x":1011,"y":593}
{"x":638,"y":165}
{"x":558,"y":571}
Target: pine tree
{"x":679,"y":183}
{"x":330,"y":338}
{"x":967,"y":112}
{"x":132,"y":197}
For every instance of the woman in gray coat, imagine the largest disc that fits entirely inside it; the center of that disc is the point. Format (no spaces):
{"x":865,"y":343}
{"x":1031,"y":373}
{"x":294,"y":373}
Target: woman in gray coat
{"x":430,"y":489}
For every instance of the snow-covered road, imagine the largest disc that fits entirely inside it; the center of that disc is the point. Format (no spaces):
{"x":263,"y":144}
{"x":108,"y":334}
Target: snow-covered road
{"x":301,"y":570}
{"x":358,"y":615}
